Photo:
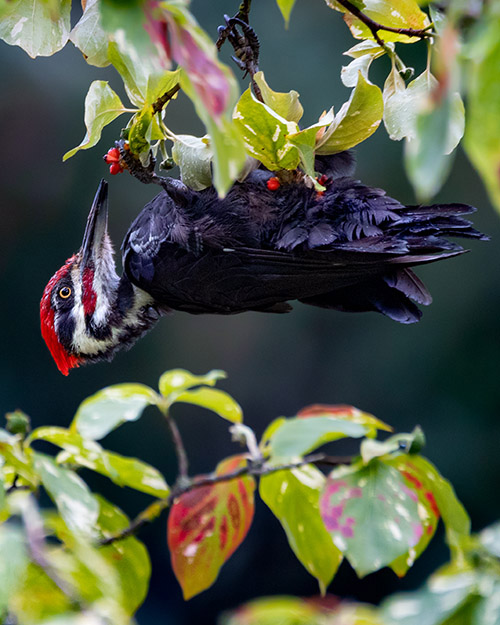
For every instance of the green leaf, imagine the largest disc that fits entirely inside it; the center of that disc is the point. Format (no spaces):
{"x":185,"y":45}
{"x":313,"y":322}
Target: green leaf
{"x":490,"y":539}
{"x":297,"y":436}
{"x":103,"y":412}
{"x":11,"y":450}
{"x":398,"y":14}
{"x":417,"y":482}
{"x":102,"y":106}
{"x":207,"y":524}
{"x":13,"y":562}
{"x":287,"y":105}
{"x":286,"y":6}
{"x":265,"y":133}
{"x":455,"y":518}
{"x":375,"y":449}
{"x":35,"y":26}
{"x":139,"y":130}
{"x":443,"y":596}
{"x":346,"y":413}
{"x":305,"y":141}
{"x":215,"y":400}
{"x":194,"y":157}
{"x":226,"y":142}
{"x":177,"y":380}
{"x":437,"y":129}
{"x":276,"y":611}
{"x":370,"y":514}
{"x":87,"y":453}
{"x":293,"y":497}
{"x":363,"y":54}
{"x":129,"y":557}
{"x":89,"y":36}
{"x":76,"y":504}
{"x":482,"y":137}
{"x":357,"y":120}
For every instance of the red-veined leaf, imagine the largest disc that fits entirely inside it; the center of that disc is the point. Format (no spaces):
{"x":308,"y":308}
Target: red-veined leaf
{"x":207,"y":524}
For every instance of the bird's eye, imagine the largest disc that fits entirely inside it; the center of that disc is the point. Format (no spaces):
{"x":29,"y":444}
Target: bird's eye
{"x":65,"y":292}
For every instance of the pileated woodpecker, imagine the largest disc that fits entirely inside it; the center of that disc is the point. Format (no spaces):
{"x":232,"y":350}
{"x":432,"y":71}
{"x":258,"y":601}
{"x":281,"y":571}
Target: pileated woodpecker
{"x":349,"y":248}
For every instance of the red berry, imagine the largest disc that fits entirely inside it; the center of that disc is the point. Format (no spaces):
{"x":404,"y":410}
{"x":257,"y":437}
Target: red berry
{"x":115,"y":168}
{"x":273,"y":184}
{"x":322,"y":180}
{"x":113,"y":155}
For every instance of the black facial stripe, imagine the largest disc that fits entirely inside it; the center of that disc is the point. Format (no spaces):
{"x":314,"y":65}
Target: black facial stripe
{"x":66,"y":329}
{"x":58,"y":302}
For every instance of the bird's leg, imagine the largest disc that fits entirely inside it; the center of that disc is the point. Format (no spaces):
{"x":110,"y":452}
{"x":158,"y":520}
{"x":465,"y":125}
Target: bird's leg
{"x":245,"y":44}
{"x":145,"y":174}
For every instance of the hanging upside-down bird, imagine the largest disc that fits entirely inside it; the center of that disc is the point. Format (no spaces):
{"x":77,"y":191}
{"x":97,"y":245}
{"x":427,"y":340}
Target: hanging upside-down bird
{"x":349,"y":248}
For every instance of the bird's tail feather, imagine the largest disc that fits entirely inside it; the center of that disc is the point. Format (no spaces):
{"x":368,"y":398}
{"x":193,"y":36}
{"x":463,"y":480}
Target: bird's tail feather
{"x":390,"y":294}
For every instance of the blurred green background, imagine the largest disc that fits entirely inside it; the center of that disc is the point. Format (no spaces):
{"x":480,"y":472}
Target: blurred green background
{"x":441,"y":373}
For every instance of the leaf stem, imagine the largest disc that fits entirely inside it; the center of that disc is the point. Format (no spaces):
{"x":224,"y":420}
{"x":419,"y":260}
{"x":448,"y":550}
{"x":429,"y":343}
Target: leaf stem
{"x":162,"y":100}
{"x":180,"y":450}
{"x":252,"y":469}
{"x":374,"y":26}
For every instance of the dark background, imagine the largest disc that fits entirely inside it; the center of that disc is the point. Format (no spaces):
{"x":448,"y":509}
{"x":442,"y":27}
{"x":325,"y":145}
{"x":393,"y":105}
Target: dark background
{"x":441,"y":373}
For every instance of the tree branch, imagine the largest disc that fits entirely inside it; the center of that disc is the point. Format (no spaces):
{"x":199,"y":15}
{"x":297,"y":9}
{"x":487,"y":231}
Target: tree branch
{"x":376,"y":26}
{"x":162,"y":100}
{"x":255,"y":470}
{"x":180,"y":450}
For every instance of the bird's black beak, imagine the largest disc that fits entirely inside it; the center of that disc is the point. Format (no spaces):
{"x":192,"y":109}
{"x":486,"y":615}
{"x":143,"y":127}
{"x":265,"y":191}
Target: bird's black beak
{"x":96,"y":228}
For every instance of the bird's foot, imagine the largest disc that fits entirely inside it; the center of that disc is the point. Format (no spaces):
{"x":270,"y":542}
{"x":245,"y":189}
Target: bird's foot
{"x":131,"y":162}
{"x":245,"y":44}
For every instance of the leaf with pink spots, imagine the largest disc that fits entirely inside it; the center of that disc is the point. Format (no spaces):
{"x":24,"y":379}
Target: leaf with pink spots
{"x":293,"y":497}
{"x":419,"y":487}
{"x":206,"y":525}
{"x":370,"y":515}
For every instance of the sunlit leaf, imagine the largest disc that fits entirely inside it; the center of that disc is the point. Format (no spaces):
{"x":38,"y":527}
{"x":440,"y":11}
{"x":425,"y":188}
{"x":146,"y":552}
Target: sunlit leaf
{"x":213,"y":399}
{"x":357,"y":120}
{"x":102,"y":106}
{"x":265,"y":133}
{"x":287,"y":105}
{"x":76,"y":504}
{"x":371,"y":515}
{"x":362,"y":54}
{"x":87,"y":453}
{"x":286,"y":6}
{"x":35,"y":26}
{"x":482,"y":137}
{"x":398,"y":14}
{"x":293,"y":496}
{"x":177,"y":380}
{"x":103,"y":412}
{"x":297,"y":436}
{"x":89,"y":36}
{"x":375,"y":449}
{"x":418,"y":483}
{"x":206,"y":525}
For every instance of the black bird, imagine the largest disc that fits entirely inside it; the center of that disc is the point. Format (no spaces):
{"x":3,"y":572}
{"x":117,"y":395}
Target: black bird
{"x":348,"y":248}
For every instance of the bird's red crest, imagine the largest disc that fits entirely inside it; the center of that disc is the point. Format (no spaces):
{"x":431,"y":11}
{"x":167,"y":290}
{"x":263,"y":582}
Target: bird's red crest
{"x":63,"y":359}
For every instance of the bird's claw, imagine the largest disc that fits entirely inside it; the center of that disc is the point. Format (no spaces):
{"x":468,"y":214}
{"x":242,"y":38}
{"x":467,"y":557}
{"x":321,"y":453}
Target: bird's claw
{"x":244,"y":41}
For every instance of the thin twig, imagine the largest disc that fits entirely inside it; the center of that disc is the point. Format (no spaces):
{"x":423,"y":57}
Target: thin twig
{"x":180,"y":450}
{"x":244,"y":11}
{"x":374,"y":26}
{"x":255,"y":470}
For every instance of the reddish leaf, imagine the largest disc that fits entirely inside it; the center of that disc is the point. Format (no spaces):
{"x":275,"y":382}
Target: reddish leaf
{"x":428,"y":511}
{"x":206,"y":525}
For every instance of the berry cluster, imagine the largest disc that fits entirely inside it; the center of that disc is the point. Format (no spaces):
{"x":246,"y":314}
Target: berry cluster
{"x":113,"y":158}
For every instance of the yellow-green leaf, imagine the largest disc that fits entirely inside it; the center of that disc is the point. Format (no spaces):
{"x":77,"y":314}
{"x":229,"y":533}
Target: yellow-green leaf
{"x":357,"y":120}
{"x":286,"y":6}
{"x":287,"y":105}
{"x":179,"y":379}
{"x":102,"y":106}
{"x":265,"y":133}
{"x":215,"y":400}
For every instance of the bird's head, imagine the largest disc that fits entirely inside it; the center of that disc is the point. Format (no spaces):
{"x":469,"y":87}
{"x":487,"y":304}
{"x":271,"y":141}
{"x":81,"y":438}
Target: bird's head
{"x":78,"y":302}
